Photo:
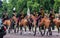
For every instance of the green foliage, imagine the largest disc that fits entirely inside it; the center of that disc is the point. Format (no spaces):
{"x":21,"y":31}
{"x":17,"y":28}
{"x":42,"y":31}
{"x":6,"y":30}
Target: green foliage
{"x":22,"y":5}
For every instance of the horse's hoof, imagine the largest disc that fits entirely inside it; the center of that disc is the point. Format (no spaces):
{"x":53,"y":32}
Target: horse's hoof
{"x":47,"y":35}
{"x":34,"y":34}
{"x":42,"y":34}
{"x":50,"y":34}
{"x":20,"y":33}
{"x":14,"y":32}
{"x":8,"y":31}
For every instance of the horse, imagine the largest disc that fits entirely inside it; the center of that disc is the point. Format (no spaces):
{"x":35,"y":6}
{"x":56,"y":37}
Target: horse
{"x":7,"y":23}
{"x":45,"y":22}
{"x":30,"y":23}
{"x":23,"y":23}
{"x":34,"y":21}
{"x":57,"y":23}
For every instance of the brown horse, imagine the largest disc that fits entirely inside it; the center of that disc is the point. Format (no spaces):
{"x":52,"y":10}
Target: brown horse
{"x":45,"y":22}
{"x":7,"y":23}
{"x":23,"y":23}
{"x":34,"y":18}
{"x":57,"y":23}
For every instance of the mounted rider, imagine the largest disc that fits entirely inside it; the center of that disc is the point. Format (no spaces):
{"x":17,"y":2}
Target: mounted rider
{"x":51,"y":17}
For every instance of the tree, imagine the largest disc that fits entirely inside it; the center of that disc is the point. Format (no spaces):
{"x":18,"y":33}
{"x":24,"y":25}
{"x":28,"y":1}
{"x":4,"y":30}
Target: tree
{"x":56,"y":5}
{"x":0,"y":3}
{"x":22,"y":5}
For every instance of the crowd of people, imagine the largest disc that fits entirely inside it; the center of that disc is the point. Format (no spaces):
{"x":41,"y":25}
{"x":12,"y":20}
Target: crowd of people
{"x":41,"y":20}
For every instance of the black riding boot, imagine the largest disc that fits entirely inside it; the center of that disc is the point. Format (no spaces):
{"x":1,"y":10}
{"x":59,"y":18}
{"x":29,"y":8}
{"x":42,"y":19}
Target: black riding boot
{"x":50,"y":32}
{"x":29,"y":27}
{"x":58,"y":30}
{"x":21,"y":30}
{"x":35,"y":31}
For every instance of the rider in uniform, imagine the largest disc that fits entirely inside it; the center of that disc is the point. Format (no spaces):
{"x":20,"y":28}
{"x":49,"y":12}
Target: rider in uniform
{"x":12,"y":20}
{"x":52,"y":16}
{"x":5,"y":16}
{"x":41,"y":15}
{"x":20,"y":17}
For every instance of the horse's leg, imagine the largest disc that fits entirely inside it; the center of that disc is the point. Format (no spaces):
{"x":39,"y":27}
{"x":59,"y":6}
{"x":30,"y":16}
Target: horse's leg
{"x":25,"y":28}
{"x":47,"y":33}
{"x":44,"y":30}
{"x":12,"y":27}
{"x":18,"y":27}
{"x":35,"y":31}
{"x":58,"y":28}
{"x":15,"y":28}
{"x":29,"y":27}
{"x":8,"y":29}
{"x":49,"y":30}
{"x":32,"y":27}
{"x":21,"y":30}
{"x":40,"y":30}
